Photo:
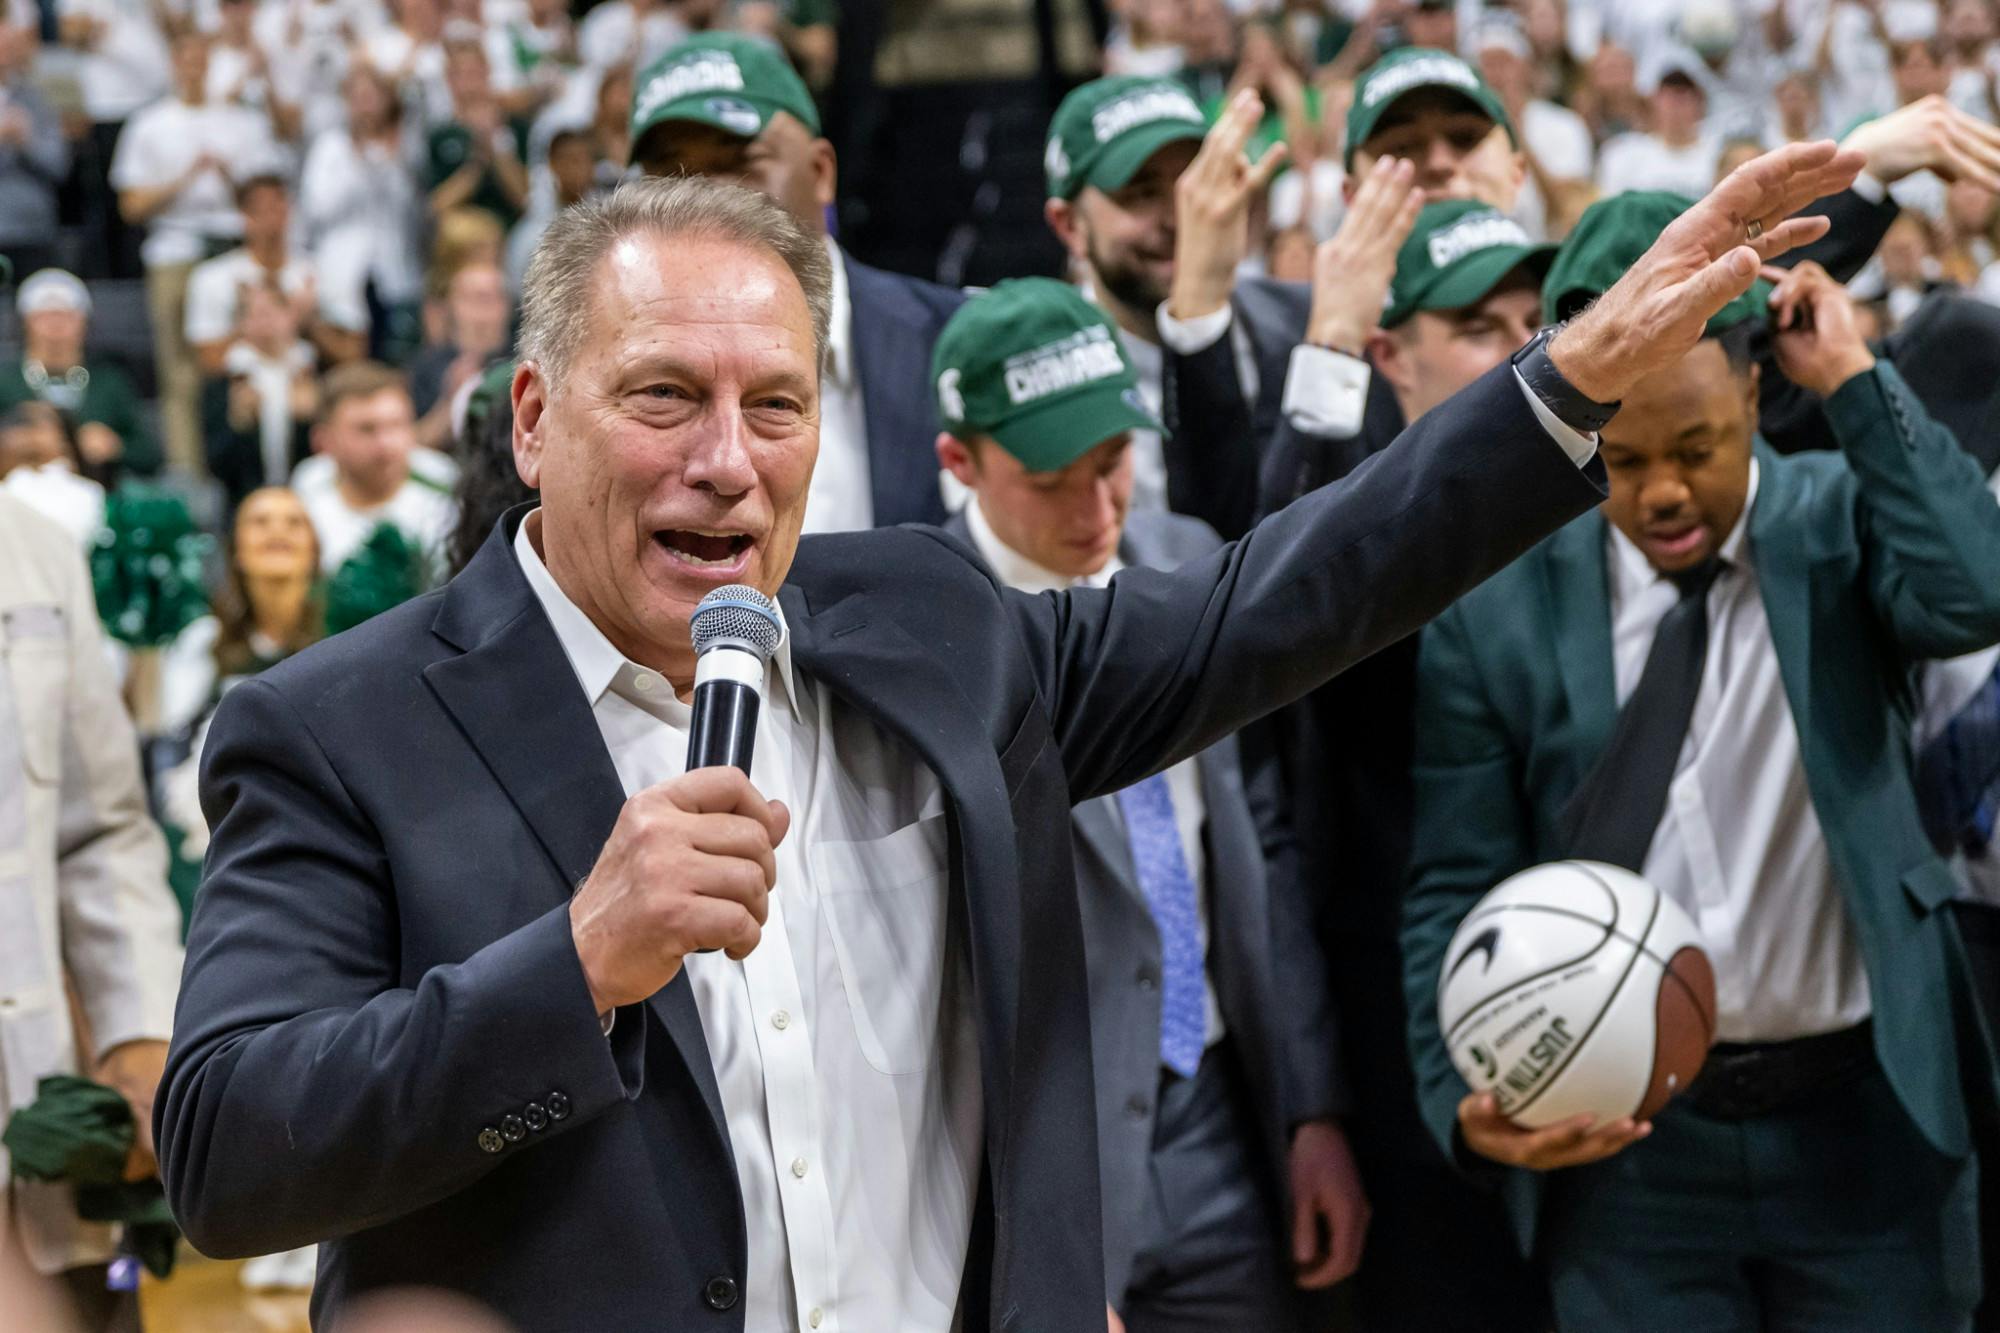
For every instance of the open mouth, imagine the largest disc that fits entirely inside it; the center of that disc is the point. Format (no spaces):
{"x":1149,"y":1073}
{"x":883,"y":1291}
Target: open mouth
{"x":1677,"y":543}
{"x":703,"y":549}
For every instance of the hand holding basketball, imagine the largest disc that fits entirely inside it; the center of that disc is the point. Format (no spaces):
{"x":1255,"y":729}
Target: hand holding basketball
{"x":1576,"y":1141}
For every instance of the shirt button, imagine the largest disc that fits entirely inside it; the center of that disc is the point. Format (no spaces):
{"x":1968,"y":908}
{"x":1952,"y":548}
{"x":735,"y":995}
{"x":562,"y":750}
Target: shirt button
{"x":643,"y":683}
{"x":719,"y":1293}
{"x":1147,"y":977}
{"x":814,"y":1315}
{"x":799,"y":1167}
{"x":490,"y":1140}
{"x":781,"y":1020}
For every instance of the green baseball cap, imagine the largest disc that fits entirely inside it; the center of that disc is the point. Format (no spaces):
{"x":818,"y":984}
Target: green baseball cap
{"x":1104,"y":131}
{"x":1609,"y":238}
{"x":1457,"y":253}
{"x":722,"y":79}
{"x":1034,"y":365}
{"x":1385,"y":82}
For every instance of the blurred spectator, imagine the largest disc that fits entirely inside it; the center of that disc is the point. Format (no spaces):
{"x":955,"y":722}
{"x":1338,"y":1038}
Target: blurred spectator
{"x":1146,"y":40}
{"x":611,"y":125}
{"x":173,"y":171}
{"x":1609,"y":99}
{"x":478,"y":326}
{"x":1906,"y":269}
{"x":33,"y":158}
{"x":1208,"y":48}
{"x":474,"y":159}
{"x":1678,"y":152}
{"x":410,"y":51}
{"x":1794,"y":111}
{"x":239,"y":69}
{"x":489,"y":484}
{"x":532,"y":56}
{"x":55,"y":317}
{"x":631,"y":33}
{"x":308,"y":43}
{"x":358,"y":204}
{"x":572,"y":176}
{"x":367,"y":469}
{"x":257,"y":412}
{"x":1735,"y":153}
{"x":41,"y":467}
{"x":265,"y":256}
{"x":1732,"y":64}
{"x":1554,"y":68}
{"x":1972,"y":57}
{"x":1849,"y":45}
{"x":806,"y":29}
{"x":121,"y":67}
{"x":1971,"y":232}
{"x":1554,"y":138}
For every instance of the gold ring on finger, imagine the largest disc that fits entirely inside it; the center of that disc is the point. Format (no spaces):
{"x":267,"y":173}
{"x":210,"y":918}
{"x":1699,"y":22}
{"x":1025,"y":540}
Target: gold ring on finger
{"x":1754,"y":227}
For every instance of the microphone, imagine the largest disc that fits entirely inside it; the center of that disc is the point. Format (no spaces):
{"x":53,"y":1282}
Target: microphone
{"x":735,"y":631}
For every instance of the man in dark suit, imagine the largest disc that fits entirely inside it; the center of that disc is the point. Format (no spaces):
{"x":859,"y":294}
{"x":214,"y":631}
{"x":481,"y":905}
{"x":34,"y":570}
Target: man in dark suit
{"x":1226,"y":1177}
{"x":730,"y":107}
{"x":1708,"y":682}
{"x":484,"y":992}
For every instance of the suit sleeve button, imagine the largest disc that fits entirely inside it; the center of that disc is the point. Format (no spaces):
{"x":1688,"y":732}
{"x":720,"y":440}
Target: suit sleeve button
{"x":558,"y":1106}
{"x":719,"y":1293}
{"x":490,"y":1140}
{"x":536,"y":1116}
{"x":512,"y":1129}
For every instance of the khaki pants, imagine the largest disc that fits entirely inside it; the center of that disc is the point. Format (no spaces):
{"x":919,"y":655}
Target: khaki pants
{"x":180,"y":377}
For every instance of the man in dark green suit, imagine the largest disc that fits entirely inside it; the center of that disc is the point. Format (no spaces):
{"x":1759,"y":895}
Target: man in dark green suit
{"x":1761,"y":616}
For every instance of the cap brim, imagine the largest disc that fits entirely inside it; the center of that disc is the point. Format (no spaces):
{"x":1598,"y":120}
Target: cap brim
{"x":1471,"y":282}
{"x":741,"y":116}
{"x":1122,"y":158}
{"x":1361,"y":130}
{"x":1054,"y":434}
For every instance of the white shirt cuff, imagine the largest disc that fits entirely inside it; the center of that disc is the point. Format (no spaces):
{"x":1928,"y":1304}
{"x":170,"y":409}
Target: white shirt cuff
{"x":1575,"y":443}
{"x":1188,"y":336}
{"x":609,"y":1021}
{"x":1870,"y":187}
{"x":1326,"y":392}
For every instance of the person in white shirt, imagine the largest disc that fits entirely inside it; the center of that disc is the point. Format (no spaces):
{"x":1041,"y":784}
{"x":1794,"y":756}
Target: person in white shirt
{"x":633,"y":33}
{"x":174,"y":173}
{"x":121,"y":66}
{"x":1179,"y":876}
{"x":365,"y":471}
{"x":266,"y":255}
{"x":309,"y":43}
{"x":1556,"y":140}
{"x":360,"y":206}
{"x":1679,"y":153}
{"x":411,"y":52}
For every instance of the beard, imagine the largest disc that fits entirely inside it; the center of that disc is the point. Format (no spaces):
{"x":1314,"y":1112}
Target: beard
{"x":1125,"y":281}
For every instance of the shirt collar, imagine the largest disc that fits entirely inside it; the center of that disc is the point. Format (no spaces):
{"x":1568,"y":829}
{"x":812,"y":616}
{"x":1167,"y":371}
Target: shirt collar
{"x":1634,"y":573}
{"x":839,"y":332}
{"x":1017,"y":570}
{"x":599,"y":666}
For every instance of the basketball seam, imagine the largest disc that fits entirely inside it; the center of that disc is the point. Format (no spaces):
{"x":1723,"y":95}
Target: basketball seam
{"x":1610,"y":930}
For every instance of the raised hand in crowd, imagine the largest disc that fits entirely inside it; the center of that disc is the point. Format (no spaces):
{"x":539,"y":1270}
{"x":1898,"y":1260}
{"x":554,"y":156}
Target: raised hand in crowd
{"x":1930,"y":134}
{"x":1212,"y":209}
{"x":1352,"y":268}
{"x":1816,"y":338}
{"x":1707,"y":258}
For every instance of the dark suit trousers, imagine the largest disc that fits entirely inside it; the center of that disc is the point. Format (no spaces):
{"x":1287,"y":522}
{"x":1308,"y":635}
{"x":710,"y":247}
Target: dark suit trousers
{"x":1832,"y":1216}
{"x":1209,"y":1258}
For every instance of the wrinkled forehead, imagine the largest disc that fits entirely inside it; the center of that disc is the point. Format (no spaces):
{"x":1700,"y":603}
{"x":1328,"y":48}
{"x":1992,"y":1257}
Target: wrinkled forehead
{"x":652,"y":294}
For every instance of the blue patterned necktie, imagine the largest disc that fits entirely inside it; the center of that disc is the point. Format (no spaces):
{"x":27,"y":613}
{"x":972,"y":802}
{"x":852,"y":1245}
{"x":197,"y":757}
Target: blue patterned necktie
{"x":1958,"y":775}
{"x":1169,"y":888}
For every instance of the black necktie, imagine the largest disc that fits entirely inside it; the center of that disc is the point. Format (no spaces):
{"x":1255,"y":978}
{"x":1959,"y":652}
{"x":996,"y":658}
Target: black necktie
{"x":1614,"y":812}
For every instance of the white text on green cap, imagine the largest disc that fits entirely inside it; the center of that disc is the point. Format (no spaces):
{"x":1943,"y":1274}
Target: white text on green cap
{"x":1081,"y":358}
{"x":1422,"y":72}
{"x":1142,"y":108}
{"x":1479,"y":232}
{"x":702,"y":72}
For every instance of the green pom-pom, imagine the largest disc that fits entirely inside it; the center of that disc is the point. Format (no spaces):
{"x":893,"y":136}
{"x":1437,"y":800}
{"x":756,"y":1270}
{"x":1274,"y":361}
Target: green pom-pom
{"x":388,"y":570}
{"x":147,"y":567}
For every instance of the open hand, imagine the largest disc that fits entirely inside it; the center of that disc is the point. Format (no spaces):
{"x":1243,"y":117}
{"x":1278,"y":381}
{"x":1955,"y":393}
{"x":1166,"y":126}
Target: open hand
{"x":1352,"y":268}
{"x":1817,"y":341}
{"x":1930,"y":134}
{"x":1212,"y":209}
{"x":1706,"y":258}
{"x":1577,"y":1141}
{"x":689,"y":865}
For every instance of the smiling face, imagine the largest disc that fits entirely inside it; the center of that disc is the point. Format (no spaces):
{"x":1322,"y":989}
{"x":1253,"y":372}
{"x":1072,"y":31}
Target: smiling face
{"x":274,"y":538}
{"x":1126,"y":236}
{"x":1678,"y":456}
{"x":674,"y":455}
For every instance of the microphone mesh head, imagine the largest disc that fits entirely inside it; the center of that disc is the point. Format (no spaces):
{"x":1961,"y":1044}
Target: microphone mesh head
{"x":738,"y":616}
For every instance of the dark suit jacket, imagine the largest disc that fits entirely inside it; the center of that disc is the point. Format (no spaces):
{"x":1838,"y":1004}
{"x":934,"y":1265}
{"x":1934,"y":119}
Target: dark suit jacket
{"x":1263,"y":961}
{"x":380,"y":963}
{"x":896,"y":319}
{"x":1868,"y":561}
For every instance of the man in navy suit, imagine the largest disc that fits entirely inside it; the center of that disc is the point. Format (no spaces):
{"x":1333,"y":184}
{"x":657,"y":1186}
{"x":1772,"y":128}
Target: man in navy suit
{"x":728,"y":107}
{"x":1226,"y":1175}
{"x":485,"y":992}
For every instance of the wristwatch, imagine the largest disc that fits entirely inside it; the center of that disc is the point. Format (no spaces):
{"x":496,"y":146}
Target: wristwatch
{"x":1535,"y":367}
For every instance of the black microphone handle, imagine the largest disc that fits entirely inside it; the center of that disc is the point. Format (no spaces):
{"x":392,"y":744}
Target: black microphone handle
{"x":724,"y":727}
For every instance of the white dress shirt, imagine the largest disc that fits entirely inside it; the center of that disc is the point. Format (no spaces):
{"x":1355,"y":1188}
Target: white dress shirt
{"x":845,"y":1047}
{"x":1183,"y":779}
{"x":1739,"y":844}
{"x":839,"y":498}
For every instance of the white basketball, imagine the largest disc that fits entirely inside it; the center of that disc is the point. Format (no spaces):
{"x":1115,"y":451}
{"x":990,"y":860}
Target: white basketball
{"x":1576,"y":987}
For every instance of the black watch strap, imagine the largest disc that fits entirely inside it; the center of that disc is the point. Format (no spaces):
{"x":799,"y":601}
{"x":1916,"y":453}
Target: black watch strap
{"x":1570,"y":406}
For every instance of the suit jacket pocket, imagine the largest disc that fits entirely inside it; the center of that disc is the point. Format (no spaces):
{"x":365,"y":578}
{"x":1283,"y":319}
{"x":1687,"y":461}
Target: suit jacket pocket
{"x":885,"y":910}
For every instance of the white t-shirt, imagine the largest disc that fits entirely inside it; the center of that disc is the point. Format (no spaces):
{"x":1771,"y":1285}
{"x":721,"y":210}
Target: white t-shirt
{"x":158,"y":146}
{"x":611,"y":35}
{"x":1636,"y":161}
{"x":128,"y":67}
{"x":308,"y":50}
{"x":423,"y":509}
{"x":362,"y":218}
{"x":421,"y":68}
{"x":215,"y":286}
{"x":1560,"y":141}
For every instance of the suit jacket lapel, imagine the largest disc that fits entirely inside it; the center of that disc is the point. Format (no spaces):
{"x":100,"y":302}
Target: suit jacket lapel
{"x":1578,"y":606}
{"x":514,"y":694}
{"x":1099,"y":827}
{"x":1787,"y":582}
